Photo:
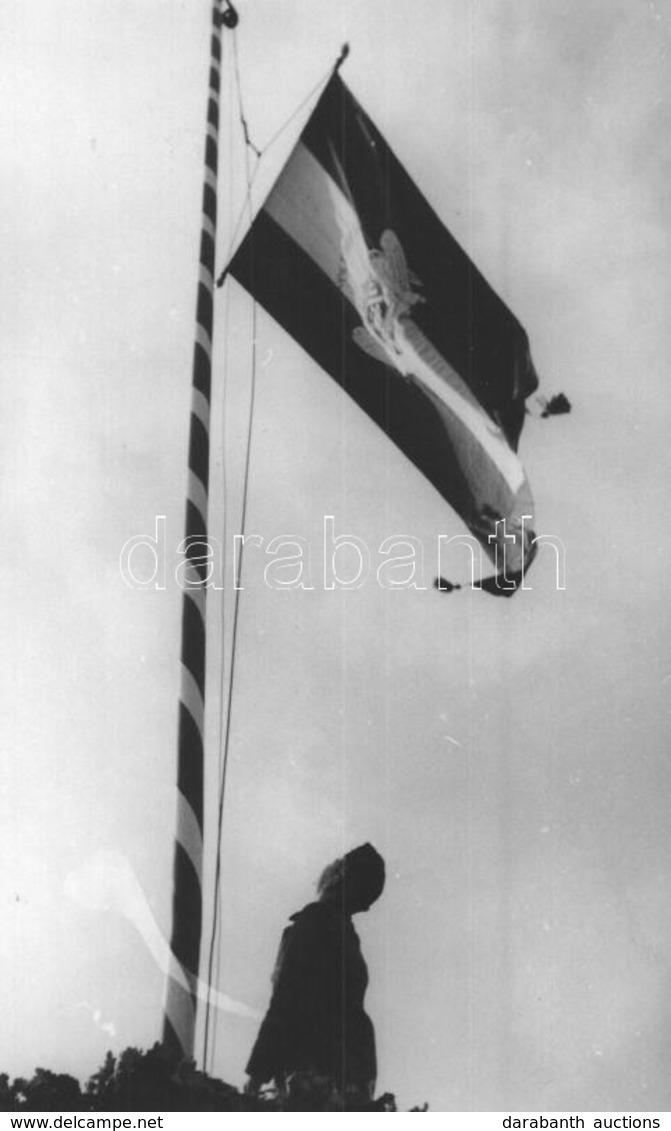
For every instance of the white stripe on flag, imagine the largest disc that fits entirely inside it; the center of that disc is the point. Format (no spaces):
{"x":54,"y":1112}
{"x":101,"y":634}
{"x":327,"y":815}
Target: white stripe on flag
{"x":314,"y":212}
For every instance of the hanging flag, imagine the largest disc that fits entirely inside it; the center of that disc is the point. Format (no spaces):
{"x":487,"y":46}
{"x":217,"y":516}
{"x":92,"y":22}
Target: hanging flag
{"x":348,"y":256}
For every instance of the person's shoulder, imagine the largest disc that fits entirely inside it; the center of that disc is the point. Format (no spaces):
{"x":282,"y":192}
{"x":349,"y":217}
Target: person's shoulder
{"x":315,"y":919}
{"x":315,"y":912}
{"x":314,"y":930}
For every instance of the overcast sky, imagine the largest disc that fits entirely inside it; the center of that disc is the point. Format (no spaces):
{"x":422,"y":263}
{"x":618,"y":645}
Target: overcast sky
{"x":508,"y":758}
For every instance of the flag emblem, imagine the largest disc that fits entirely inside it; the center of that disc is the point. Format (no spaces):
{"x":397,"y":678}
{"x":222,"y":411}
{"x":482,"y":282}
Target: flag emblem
{"x":348,"y":256}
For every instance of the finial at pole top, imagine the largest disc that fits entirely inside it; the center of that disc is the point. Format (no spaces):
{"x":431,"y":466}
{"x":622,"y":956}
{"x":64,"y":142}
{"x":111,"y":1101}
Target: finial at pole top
{"x":229,"y":17}
{"x":344,"y":52}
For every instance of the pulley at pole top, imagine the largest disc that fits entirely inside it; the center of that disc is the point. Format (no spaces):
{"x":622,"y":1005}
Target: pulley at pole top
{"x":229,"y":16}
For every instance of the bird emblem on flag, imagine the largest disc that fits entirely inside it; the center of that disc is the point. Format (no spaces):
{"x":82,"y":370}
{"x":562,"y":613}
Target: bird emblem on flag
{"x":387,"y":296}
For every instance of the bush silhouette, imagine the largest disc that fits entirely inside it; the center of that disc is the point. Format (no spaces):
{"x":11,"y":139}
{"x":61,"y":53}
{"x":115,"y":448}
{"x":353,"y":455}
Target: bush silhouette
{"x":150,"y":1081}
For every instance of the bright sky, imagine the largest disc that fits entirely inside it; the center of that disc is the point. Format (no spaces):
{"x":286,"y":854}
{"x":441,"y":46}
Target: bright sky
{"x":507,"y":757}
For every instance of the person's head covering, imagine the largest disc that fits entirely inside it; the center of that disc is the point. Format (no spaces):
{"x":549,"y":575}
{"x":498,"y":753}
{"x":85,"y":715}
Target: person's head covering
{"x":356,"y":879}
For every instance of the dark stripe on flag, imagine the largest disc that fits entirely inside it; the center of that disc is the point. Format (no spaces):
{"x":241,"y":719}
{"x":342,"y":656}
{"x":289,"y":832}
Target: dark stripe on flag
{"x":463,"y":316}
{"x":317,"y":315}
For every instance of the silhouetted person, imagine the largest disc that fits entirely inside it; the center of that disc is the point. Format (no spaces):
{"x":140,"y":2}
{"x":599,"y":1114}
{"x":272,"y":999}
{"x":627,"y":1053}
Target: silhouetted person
{"x":316,"y":1033}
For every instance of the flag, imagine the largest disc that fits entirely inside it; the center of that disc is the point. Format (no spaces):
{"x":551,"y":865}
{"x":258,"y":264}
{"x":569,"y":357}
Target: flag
{"x":351,"y":260}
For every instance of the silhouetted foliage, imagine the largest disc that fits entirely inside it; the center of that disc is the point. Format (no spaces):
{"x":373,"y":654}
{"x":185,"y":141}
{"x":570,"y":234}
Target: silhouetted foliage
{"x":150,"y":1081}
{"x":46,"y":1091}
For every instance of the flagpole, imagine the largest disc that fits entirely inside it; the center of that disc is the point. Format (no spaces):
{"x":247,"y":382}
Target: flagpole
{"x":179,"y":1022}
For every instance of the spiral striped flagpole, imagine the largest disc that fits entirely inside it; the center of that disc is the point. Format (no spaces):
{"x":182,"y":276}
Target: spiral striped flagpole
{"x":181,"y":991}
